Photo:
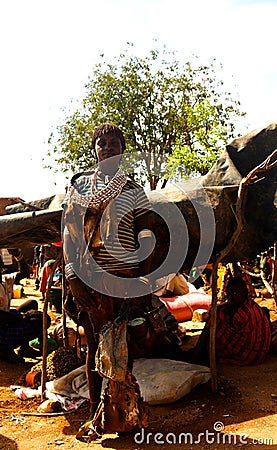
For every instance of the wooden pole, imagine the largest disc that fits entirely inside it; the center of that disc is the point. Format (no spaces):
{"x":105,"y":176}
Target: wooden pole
{"x":273,"y":279}
{"x":44,"y":330}
{"x":213,"y":314}
{"x":65,"y":329}
{"x":268,"y":164}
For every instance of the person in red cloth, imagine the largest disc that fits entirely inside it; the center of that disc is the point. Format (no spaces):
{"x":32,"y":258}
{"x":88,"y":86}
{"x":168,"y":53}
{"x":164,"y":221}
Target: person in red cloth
{"x":243,"y":330}
{"x":45,"y":274}
{"x":271,"y":262}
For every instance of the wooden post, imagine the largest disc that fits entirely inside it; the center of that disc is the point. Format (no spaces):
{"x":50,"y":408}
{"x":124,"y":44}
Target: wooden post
{"x":65,"y":329}
{"x":213,"y":313}
{"x":274,"y":274}
{"x":44,"y":330}
{"x":269,"y":163}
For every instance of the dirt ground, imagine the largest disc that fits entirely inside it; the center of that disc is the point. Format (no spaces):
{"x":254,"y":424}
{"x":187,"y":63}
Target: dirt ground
{"x":241,"y":414}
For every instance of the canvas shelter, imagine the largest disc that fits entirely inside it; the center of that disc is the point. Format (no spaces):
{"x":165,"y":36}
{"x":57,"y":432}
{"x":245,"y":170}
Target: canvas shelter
{"x":40,"y":221}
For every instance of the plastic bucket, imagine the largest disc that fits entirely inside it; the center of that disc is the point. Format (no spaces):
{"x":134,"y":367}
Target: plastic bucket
{"x":17,"y":291}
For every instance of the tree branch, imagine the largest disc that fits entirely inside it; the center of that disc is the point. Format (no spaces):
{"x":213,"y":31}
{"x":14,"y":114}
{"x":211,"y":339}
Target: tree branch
{"x":269,"y":163}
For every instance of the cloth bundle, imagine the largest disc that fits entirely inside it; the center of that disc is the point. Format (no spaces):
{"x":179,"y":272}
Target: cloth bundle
{"x":121,"y":407}
{"x":111,"y":358}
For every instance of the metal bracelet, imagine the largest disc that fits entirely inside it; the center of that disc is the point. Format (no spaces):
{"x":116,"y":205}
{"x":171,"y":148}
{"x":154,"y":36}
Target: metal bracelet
{"x":144,"y":279}
{"x":145,"y":234}
{"x":69,"y":272}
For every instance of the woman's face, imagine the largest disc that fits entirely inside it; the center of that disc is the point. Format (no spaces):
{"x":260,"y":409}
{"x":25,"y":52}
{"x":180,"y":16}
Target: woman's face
{"x":107,"y":146}
{"x":108,"y":150}
{"x":236,"y":294}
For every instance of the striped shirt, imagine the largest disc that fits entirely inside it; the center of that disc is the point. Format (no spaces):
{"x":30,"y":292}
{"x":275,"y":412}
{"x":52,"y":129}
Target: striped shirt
{"x":119,"y":251}
{"x":245,"y":338}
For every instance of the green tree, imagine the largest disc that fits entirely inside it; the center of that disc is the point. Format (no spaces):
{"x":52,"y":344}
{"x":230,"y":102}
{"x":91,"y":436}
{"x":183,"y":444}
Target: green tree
{"x":176,"y":116}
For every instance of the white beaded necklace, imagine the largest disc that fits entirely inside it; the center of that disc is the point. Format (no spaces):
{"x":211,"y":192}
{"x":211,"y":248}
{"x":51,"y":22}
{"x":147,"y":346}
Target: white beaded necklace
{"x":102,"y":197}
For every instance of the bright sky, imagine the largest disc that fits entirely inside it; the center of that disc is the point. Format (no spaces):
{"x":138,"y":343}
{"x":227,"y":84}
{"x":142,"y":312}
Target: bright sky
{"x":48,"y":50}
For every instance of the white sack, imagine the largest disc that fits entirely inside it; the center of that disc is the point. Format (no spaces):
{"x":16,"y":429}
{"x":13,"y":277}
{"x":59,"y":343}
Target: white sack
{"x":164,"y":381}
{"x":161,"y":381}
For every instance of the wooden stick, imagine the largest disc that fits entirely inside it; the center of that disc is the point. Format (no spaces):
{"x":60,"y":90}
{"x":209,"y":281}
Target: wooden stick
{"x":213,"y":314}
{"x":65,"y":328}
{"x":44,"y":331}
{"x":268,"y":164}
{"x":273,"y":279}
{"x":261,"y":275}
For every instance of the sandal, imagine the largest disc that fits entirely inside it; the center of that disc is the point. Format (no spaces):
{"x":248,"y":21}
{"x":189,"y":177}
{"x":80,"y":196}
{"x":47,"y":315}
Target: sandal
{"x":88,"y":432}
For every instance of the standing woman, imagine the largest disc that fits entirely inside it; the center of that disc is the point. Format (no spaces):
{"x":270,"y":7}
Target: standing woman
{"x":106,"y":242}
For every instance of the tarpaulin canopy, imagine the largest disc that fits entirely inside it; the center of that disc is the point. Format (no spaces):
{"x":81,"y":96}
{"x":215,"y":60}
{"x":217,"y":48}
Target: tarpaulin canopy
{"x":206,"y":206}
{"x":221,"y":186}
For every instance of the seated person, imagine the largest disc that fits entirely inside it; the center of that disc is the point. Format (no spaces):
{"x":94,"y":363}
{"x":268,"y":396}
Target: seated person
{"x":17,"y":327}
{"x":243,"y":330}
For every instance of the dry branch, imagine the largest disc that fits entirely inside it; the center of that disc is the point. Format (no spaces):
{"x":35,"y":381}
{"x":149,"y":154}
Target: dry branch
{"x":266,"y":165}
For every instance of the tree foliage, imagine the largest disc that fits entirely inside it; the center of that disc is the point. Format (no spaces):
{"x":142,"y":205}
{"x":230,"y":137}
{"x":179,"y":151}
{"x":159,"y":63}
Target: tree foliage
{"x":176,"y":115}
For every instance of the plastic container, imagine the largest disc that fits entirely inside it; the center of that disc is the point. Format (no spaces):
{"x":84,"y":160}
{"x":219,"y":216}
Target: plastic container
{"x":220,"y":276}
{"x":17,"y":291}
